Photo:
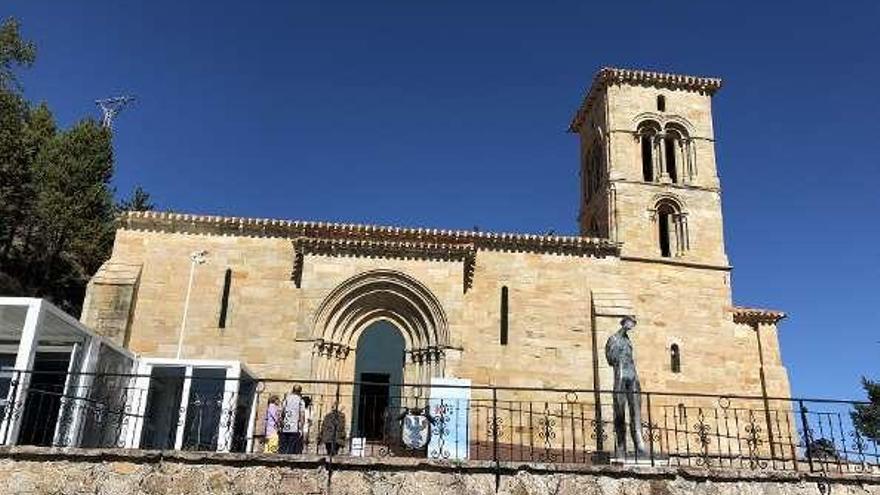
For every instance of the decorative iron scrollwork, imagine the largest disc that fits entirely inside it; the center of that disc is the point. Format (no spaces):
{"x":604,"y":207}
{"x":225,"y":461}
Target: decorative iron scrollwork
{"x":650,"y":432}
{"x":598,"y":430}
{"x":495,"y":427}
{"x":754,"y":441}
{"x":441,"y":430}
{"x":702,"y":429}
{"x":547,"y":433}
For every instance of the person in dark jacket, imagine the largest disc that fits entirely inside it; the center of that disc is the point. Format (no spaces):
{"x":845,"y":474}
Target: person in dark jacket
{"x":333,"y":431}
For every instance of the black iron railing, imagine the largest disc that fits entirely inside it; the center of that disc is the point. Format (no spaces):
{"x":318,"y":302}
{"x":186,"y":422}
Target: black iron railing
{"x":430,"y":421}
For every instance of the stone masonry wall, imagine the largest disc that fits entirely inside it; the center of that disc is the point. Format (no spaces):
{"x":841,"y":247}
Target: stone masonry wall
{"x":39,"y":471}
{"x":270,"y":324}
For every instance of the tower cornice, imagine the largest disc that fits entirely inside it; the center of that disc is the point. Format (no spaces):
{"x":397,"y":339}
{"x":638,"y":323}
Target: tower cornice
{"x":612,"y":75}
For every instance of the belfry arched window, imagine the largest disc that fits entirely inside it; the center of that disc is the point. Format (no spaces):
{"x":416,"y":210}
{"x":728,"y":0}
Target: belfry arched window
{"x":678,"y":160}
{"x":648,"y":132}
{"x":671,"y":228}
{"x":675,"y":358}
{"x":593,"y":169}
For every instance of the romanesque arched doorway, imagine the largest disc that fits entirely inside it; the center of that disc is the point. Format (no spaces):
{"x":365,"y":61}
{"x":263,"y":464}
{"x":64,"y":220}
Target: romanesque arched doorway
{"x":379,"y":299}
{"x":388,"y":306}
{"x":378,"y":369}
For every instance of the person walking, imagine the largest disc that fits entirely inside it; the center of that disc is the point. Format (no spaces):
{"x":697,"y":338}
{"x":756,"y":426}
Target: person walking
{"x":273,"y":421}
{"x":292,"y":420}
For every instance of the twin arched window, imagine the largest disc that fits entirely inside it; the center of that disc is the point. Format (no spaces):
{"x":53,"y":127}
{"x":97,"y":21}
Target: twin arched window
{"x":667,"y":152}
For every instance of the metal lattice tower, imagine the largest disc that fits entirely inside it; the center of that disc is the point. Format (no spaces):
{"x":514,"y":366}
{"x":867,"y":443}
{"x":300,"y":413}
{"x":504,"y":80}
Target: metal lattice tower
{"x":111,"y":108}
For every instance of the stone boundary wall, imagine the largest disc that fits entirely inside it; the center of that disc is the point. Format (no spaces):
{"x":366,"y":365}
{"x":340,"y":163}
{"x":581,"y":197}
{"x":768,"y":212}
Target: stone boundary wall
{"x":37,"y":470}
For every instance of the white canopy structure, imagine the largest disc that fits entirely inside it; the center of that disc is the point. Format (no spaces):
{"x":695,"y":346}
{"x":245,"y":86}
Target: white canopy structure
{"x":48,"y":362}
{"x":63,"y":385}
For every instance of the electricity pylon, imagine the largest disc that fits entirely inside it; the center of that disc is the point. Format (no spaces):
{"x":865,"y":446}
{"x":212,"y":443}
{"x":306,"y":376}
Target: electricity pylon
{"x":111,"y":108}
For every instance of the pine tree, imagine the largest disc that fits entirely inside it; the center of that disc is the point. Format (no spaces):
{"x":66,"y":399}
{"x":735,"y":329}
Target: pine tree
{"x":57,"y":210}
{"x":138,"y":201}
{"x":866,"y":417}
{"x":14,"y":52}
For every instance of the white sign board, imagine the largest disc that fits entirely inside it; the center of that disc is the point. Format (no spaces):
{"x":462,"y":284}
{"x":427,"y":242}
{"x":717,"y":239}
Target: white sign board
{"x":358,"y":446}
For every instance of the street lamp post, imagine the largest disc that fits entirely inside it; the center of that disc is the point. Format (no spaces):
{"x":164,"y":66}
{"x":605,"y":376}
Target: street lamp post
{"x":196,"y":258}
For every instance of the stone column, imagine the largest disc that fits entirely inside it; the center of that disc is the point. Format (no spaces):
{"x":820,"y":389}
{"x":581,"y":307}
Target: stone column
{"x":659,"y":150}
{"x":691,"y":159}
{"x":681,"y":161}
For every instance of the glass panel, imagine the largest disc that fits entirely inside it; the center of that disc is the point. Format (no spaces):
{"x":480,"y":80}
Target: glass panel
{"x":6,"y":361}
{"x":43,"y":398}
{"x":104,"y":411}
{"x":163,"y":407}
{"x":246,"y":390}
{"x":204,"y":409}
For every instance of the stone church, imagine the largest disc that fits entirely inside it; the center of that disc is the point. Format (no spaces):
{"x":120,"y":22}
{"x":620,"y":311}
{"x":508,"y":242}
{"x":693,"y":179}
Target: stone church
{"x":297,"y":299}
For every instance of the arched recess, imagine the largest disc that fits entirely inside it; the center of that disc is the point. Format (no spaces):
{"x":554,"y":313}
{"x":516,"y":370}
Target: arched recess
{"x":671,"y":234}
{"x":647,"y":134}
{"x":380,"y":295}
{"x":678,"y":153}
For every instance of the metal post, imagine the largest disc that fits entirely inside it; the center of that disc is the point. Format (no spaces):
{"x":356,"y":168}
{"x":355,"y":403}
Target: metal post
{"x":597,"y":395}
{"x":335,"y":422}
{"x":650,"y":428}
{"x":196,"y":258}
{"x":757,"y":328}
{"x":9,"y":411}
{"x":495,"y":438}
{"x":808,"y":436}
{"x":335,"y":445}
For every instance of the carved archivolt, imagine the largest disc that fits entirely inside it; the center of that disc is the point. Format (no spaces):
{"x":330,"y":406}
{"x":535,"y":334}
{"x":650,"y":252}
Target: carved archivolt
{"x":382,"y":295}
{"x":665,"y":197}
{"x":664,"y":120}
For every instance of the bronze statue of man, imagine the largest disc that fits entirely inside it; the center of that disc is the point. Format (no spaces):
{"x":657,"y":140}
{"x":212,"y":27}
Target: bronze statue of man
{"x":627,"y":391}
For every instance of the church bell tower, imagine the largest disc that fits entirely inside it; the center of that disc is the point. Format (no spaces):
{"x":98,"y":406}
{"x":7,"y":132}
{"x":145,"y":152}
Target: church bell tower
{"x":648,"y":172}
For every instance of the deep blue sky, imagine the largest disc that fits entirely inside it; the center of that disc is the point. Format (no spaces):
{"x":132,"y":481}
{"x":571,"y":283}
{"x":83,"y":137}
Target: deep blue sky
{"x":453,"y":114}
